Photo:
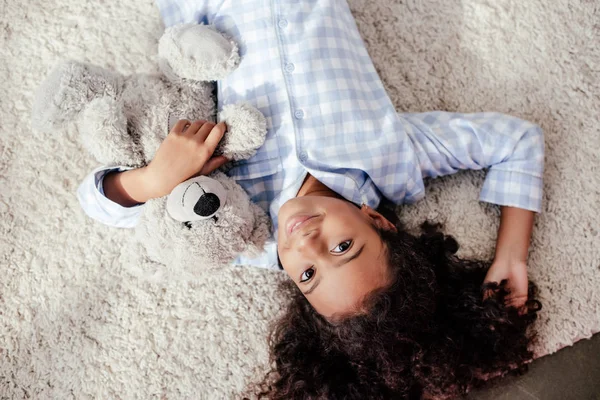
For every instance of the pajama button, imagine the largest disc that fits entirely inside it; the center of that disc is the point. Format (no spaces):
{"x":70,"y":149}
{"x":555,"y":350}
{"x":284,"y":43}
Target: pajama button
{"x":283,"y":23}
{"x":299,"y":114}
{"x":289,"y":68}
{"x":302,"y":156}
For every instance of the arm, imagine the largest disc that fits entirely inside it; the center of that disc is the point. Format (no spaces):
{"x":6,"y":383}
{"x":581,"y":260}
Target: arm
{"x":514,"y":235}
{"x":187,"y":151}
{"x":97,"y":206}
{"x":510,"y":260}
{"x":126,"y":188}
{"x":513,"y":150}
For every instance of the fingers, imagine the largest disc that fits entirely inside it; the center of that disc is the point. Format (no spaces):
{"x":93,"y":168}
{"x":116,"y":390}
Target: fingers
{"x":195,"y":127}
{"x":215,"y":135}
{"x":207,"y":135}
{"x":179,"y":127}
{"x":515,"y":301}
{"x":191,"y":128}
{"x":487,"y":294}
{"x":213,"y":164}
{"x":203,"y":132}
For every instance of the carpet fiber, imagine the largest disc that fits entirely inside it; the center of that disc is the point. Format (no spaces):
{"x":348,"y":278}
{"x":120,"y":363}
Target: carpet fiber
{"x":75,"y":322}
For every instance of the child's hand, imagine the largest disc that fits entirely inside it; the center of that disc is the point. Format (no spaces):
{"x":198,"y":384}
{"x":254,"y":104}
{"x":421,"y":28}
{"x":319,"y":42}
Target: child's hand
{"x":186,"y":152}
{"x":510,"y":261}
{"x":516,"y":274}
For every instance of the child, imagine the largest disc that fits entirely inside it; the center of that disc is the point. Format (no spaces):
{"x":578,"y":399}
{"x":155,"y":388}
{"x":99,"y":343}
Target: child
{"x":335,"y":150}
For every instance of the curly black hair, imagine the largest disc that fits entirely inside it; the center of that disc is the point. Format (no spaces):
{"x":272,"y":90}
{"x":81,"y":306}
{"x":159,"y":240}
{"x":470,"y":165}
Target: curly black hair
{"x":430,"y":335}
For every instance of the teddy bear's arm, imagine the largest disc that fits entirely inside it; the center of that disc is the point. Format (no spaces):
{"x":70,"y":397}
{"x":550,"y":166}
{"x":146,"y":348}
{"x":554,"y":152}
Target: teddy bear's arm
{"x":103,"y":132}
{"x":91,"y":97}
{"x":67,"y":90}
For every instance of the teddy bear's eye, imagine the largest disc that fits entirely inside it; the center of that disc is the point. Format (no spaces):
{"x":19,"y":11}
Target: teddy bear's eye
{"x":196,"y":199}
{"x":207,"y":204}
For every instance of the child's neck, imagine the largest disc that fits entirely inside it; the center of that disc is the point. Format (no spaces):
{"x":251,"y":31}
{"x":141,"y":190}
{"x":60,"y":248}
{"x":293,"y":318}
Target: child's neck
{"x":312,"y":187}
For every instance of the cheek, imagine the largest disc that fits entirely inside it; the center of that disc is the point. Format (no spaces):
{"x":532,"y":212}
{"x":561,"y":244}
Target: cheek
{"x":285,"y":264}
{"x":287,"y":270}
{"x":346,"y":222}
{"x":339,"y":298}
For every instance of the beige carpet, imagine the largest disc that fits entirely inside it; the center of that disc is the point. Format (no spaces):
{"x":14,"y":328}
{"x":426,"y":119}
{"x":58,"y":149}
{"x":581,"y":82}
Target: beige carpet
{"x":76,"y":323}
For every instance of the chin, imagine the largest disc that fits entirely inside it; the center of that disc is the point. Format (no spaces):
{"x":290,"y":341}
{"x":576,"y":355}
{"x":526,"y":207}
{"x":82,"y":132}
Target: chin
{"x":293,"y":206}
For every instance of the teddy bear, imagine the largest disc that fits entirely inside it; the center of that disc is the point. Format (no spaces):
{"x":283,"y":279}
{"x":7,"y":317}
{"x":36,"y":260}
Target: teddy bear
{"x":206,"y":221}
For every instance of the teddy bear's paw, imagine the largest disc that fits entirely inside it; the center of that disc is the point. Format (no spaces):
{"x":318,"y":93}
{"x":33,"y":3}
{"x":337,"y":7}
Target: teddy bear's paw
{"x":246,"y":131}
{"x":196,"y":52}
{"x":67,"y":90}
{"x":103,"y":131}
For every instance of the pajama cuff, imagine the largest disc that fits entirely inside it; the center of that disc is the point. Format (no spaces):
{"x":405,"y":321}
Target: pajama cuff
{"x":97,"y":206}
{"x":513,"y":189}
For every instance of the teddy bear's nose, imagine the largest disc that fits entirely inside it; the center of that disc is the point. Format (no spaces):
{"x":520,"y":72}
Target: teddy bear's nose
{"x":207,"y":204}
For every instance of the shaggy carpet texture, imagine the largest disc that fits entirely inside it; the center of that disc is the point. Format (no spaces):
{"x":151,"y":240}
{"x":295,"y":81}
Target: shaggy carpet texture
{"x":76,"y":322}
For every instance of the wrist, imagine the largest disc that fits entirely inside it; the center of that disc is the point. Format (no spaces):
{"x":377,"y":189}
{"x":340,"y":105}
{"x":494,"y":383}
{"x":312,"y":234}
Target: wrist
{"x":145,"y":187}
{"x":509,"y":261}
{"x":136,"y":185}
{"x":511,"y":254}
{"x":118,"y":188}
{"x":514,"y":235}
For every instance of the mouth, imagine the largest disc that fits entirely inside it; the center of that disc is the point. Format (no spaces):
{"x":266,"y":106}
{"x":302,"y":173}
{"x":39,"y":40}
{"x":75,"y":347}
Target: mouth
{"x":296,"y":221}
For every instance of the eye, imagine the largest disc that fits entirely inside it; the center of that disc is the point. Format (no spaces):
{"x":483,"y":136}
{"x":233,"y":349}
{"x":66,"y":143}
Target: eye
{"x":342,"y":247}
{"x":306,"y":275}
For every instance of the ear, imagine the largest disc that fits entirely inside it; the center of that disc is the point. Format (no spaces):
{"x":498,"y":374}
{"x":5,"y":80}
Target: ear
{"x":377,"y":219}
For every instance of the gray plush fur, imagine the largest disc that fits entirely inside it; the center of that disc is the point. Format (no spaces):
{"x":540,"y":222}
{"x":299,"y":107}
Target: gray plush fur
{"x":122,"y":120}
{"x":215,"y":241}
{"x":244,"y":135}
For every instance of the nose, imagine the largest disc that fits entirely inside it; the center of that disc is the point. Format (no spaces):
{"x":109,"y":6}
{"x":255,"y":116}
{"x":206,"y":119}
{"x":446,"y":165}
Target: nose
{"x":309,"y":244}
{"x":207,"y":204}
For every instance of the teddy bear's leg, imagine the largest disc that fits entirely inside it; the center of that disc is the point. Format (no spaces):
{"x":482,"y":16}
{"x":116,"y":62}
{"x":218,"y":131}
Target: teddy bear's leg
{"x":69,"y":88}
{"x":196,"y":52}
{"x":103,"y":130}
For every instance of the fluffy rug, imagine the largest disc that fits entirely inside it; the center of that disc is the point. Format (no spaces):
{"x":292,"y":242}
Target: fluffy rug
{"x":76,"y":323}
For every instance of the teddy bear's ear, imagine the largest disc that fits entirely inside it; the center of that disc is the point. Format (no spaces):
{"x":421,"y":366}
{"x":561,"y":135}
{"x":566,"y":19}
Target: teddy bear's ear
{"x":196,"y":52}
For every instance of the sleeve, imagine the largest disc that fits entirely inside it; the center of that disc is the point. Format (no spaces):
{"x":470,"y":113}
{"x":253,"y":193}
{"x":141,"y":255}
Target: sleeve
{"x":512,"y":149}
{"x":175,"y":12}
{"x":97,"y":206}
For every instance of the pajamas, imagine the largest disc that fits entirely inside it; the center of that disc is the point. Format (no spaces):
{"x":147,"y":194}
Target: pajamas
{"x":305,"y":67}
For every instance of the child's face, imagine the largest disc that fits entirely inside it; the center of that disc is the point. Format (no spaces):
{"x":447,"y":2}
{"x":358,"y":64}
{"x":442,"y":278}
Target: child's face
{"x":332,"y":251}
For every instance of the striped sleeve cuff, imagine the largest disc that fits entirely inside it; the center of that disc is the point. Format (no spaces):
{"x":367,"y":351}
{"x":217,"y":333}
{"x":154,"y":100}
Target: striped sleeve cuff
{"x":513,"y":189}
